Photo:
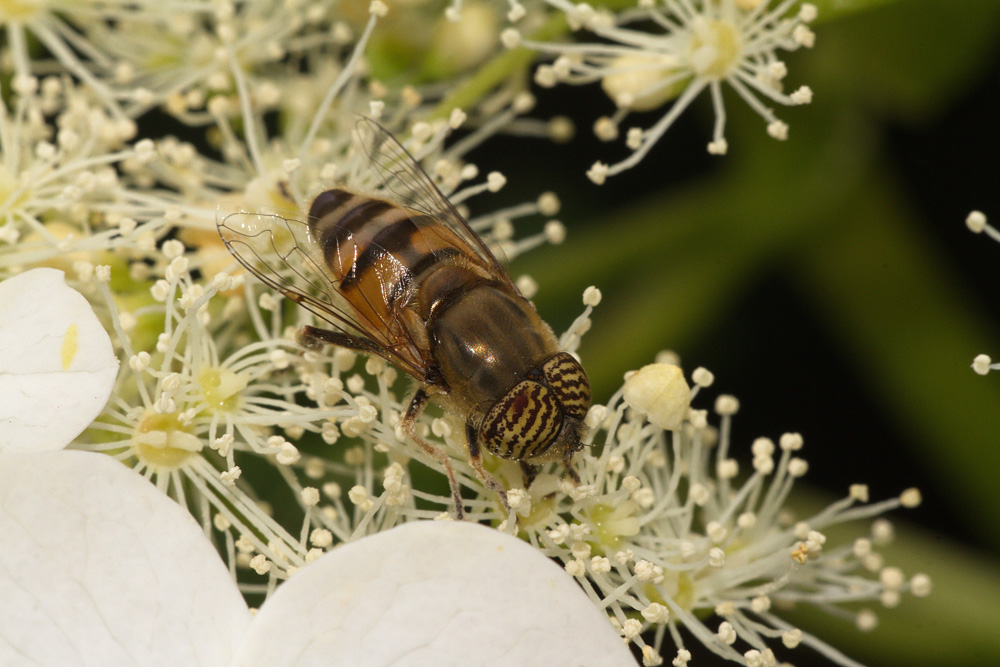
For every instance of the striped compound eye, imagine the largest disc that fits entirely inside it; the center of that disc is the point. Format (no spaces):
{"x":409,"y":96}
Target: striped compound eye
{"x":568,"y":381}
{"x":523,"y":423}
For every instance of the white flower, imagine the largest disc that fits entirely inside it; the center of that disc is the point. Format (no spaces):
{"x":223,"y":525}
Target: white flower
{"x":669,"y":510}
{"x":96,"y":557}
{"x":437,"y":593}
{"x":60,"y":27}
{"x":152,"y":589}
{"x":213,"y":374}
{"x":689,"y":540}
{"x":205,"y":388}
{"x":218,"y":406}
{"x":675,"y":49}
{"x":61,"y":192}
{"x":172,"y":53}
{"x":99,"y":567}
{"x":56,"y":362}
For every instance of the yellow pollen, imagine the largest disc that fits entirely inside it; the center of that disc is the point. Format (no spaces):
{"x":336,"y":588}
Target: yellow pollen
{"x":69,"y":346}
{"x":678,"y":585}
{"x":612,"y":523}
{"x":541,"y":512}
{"x":162,"y":443}
{"x":18,"y":10}
{"x":221,"y":388}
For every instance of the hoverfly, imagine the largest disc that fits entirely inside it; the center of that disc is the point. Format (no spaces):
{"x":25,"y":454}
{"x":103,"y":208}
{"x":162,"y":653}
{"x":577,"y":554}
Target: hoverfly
{"x":398,"y":273}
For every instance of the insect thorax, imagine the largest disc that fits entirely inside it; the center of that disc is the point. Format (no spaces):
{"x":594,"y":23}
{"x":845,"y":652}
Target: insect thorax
{"x":486,"y":340}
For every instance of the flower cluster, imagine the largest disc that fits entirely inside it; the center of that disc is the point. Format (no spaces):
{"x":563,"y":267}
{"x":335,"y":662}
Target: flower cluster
{"x":665,"y":533}
{"x":673,"y":50}
{"x":179,"y":55}
{"x":212,"y":375}
{"x":282,"y":453}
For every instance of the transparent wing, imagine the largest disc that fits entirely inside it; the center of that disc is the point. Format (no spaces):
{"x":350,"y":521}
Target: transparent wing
{"x":403,"y":180}
{"x":283,"y":254}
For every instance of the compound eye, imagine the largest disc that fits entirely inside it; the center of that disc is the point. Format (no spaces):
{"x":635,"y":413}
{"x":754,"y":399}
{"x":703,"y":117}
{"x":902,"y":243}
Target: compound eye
{"x":569,"y":383}
{"x":523,"y":423}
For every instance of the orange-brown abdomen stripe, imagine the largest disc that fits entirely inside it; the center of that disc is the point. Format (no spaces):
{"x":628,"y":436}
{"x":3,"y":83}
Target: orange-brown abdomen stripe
{"x":325,"y":203}
{"x":345,"y":227}
{"x":374,"y":249}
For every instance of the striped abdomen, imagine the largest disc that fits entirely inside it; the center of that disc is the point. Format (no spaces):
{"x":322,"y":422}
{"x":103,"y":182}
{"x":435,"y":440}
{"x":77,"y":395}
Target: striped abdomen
{"x":377,"y":250}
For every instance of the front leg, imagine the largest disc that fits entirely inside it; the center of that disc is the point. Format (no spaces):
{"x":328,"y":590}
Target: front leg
{"x":409,"y":426}
{"x":476,"y":459}
{"x":528,"y":472}
{"x":313,"y":338}
{"x":571,"y":472}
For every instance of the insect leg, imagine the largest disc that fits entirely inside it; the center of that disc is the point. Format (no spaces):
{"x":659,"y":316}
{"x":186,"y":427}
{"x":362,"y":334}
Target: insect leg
{"x":409,"y":426}
{"x":476,"y":459}
{"x":313,"y":337}
{"x":529,"y":472}
{"x":571,"y":472}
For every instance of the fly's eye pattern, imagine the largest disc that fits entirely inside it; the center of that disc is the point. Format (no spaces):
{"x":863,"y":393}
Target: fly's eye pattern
{"x":569,"y":383}
{"x":523,"y":423}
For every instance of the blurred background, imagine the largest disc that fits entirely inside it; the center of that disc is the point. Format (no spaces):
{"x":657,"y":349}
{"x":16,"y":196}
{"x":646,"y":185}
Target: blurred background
{"x":828,"y":281}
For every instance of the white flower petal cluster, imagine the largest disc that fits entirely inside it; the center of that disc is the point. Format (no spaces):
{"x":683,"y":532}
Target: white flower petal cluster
{"x":283,"y":454}
{"x":176,"y":54}
{"x":212,"y":378}
{"x":667,"y":534}
{"x":665,"y":531}
{"x":667,"y":50}
{"x":109,"y":571}
{"x":97,"y":557}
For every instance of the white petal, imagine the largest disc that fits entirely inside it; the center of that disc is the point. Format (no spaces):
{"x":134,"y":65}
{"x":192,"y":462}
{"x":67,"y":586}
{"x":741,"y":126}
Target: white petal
{"x":57,"y":366}
{"x":432,"y":593}
{"x":98,"y":567}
